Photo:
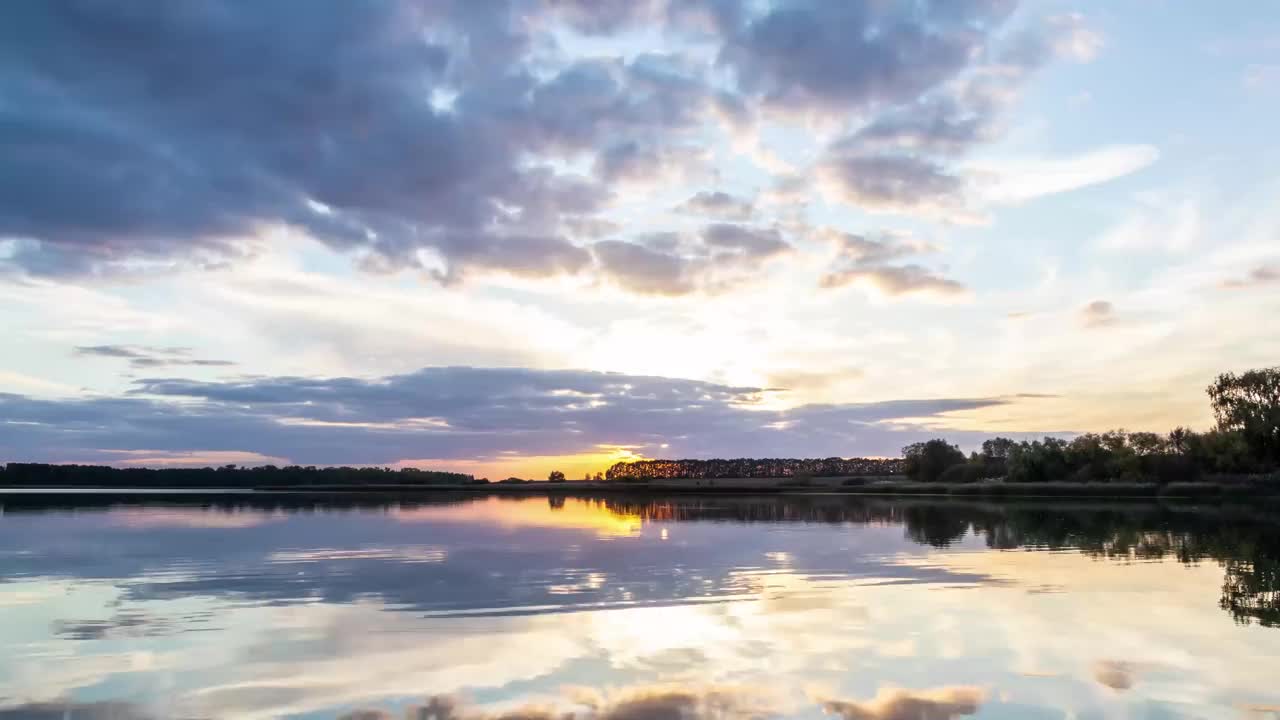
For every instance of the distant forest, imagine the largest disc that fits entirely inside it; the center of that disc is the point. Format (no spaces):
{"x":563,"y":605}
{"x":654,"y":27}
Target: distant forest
{"x":42,"y":475}
{"x":755,"y":468}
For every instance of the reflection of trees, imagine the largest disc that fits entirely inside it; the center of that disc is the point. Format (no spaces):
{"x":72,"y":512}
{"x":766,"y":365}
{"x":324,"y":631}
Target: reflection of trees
{"x":1244,"y":540}
{"x":1251,"y":591}
{"x":934,"y":525}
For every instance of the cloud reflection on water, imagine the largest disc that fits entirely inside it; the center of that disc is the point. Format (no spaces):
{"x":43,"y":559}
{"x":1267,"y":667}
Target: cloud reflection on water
{"x":327,"y":608}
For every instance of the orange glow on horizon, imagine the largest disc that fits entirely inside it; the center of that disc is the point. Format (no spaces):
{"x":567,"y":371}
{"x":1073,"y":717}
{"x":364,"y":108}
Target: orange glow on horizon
{"x":533,"y":467}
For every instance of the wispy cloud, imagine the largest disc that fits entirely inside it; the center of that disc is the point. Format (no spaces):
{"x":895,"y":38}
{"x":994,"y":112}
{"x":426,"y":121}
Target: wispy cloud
{"x":146,"y":356}
{"x":1261,"y":275}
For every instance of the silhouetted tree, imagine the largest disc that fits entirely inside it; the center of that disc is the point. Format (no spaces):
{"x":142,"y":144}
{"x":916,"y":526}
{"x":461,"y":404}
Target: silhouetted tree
{"x":556,"y":477}
{"x":1249,"y":403}
{"x":927,"y":461}
{"x":997,"y":448}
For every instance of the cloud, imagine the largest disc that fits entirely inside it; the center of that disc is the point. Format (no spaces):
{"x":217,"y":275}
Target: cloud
{"x":631,"y":162}
{"x":74,"y":711}
{"x":1072,"y":38}
{"x":945,"y":703}
{"x":411,"y":135}
{"x":643,"y":270}
{"x":841,"y":56}
{"x":896,"y":281}
{"x":457,"y":413}
{"x":1018,"y":182}
{"x":744,"y":242}
{"x":717,"y":204}
{"x":1261,"y":275}
{"x":1117,"y":675}
{"x":722,"y":256}
{"x":145,"y":356}
{"x":885,"y":246}
{"x":899,"y":161}
{"x":451,"y":138}
{"x":590,"y":227}
{"x":861,"y":260}
{"x":1097,"y":314}
{"x":793,"y":379}
{"x":890,"y":183}
{"x":635,"y":703}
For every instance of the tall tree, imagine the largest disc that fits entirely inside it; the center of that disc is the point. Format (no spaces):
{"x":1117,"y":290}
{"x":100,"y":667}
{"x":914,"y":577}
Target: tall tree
{"x":1249,"y":403}
{"x":926,"y":461}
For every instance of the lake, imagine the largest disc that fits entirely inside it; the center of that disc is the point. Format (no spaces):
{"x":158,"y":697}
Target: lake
{"x":635,"y":608}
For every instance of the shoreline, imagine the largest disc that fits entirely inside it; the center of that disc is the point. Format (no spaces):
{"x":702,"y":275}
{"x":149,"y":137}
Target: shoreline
{"x":1207,"y":490}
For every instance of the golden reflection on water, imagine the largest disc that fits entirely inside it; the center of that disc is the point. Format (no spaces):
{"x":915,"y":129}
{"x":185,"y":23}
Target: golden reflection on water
{"x":531,"y":512}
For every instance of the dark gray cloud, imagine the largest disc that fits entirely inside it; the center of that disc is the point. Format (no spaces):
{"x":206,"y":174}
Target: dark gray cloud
{"x":864,"y":260}
{"x":842,"y":56}
{"x":948,"y":122}
{"x":386,"y":127}
{"x":589,"y":227}
{"x":722,"y":256}
{"x":644,"y":270}
{"x":436,"y":135}
{"x":459,"y":413}
{"x":891,"y":183}
{"x":66,"y":710}
{"x":898,"y":160}
{"x":634,"y":162}
{"x":717,"y":204}
{"x":743,"y":241}
{"x":148,"y":357}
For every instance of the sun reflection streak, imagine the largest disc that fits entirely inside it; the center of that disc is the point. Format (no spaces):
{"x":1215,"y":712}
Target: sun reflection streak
{"x":510,"y":514}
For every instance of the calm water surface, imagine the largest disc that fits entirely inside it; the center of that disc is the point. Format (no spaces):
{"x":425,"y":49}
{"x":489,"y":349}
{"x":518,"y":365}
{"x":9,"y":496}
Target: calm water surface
{"x":617,"y":609}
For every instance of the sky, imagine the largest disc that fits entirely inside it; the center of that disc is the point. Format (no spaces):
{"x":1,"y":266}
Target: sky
{"x":512,"y":236}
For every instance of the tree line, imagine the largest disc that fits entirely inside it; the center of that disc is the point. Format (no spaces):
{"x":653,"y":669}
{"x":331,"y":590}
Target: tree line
{"x":45,"y":475}
{"x":754,"y":468}
{"x":1246,"y":440}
